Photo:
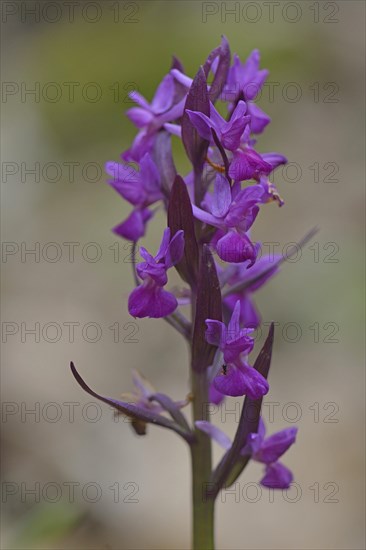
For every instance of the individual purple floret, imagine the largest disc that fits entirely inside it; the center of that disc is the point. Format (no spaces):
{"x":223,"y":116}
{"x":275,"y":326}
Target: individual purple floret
{"x":236,"y":376}
{"x":246,"y":80}
{"x":231,"y":340}
{"x":150,"y":117}
{"x":150,"y":299}
{"x":228,"y":132}
{"x":267,"y":451}
{"x":233,"y":213}
{"x":141,"y":189}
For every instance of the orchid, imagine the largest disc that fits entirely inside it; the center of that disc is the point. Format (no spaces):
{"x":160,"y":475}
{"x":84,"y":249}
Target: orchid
{"x":228,"y":132}
{"x":267,"y":451}
{"x":234,"y":214}
{"x":237,"y":377}
{"x":141,"y":189}
{"x":150,"y":117}
{"x":210,"y":216}
{"x":246,"y":80}
{"x":150,"y":299}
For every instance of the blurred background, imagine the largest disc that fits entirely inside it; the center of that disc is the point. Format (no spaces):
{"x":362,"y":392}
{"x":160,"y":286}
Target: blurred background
{"x":74,"y":476}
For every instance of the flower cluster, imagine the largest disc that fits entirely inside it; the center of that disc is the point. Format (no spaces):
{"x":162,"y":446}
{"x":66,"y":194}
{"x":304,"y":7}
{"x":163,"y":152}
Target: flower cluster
{"x":210,"y":214}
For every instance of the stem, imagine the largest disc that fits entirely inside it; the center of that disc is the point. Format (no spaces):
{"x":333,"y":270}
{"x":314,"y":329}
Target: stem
{"x":203,"y":506}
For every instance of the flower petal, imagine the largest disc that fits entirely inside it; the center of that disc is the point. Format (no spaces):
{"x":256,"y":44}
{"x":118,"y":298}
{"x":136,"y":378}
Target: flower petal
{"x":164,"y":95}
{"x":255,"y":384}
{"x":215,"y":396}
{"x":142,"y":384}
{"x":276,"y":445}
{"x":277,"y":476}
{"x":232,"y":383}
{"x":235,"y":248}
{"x":215,"y":333}
{"x":259,"y":119}
{"x":126,"y":182}
{"x":139,"y":99}
{"x":150,"y":178}
{"x":274,"y":159}
{"x":175,"y":249}
{"x":215,"y":433}
{"x":233,"y":327}
{"x":221,"y":199}
{"x":202,"y":123}
{"x":247,"y":165}
{"x":164,"y":245}
{"x":140,"y":117}
{"x":133,"y":228}
{"x":151,"y":301}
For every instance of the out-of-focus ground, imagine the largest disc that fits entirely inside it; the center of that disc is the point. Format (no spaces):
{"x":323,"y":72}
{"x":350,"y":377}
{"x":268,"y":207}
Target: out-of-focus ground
{"x":95,"y":484}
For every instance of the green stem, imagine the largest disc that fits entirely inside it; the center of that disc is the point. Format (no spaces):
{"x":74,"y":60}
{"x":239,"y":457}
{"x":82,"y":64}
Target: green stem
{"x":203,"y":507}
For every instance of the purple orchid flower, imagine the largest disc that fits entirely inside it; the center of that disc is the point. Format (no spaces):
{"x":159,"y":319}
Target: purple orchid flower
{"x":231,"y":340}
{"x":246,"y":80}
{"x":150,"y":299}
{"x":228,"y":132}
{"x":150,"y":117}
{"x":237,"y":377}
{"x":141,"y":189}
{"x":233,"y":213}
{"x":248,"y":164}
{"x":267,"y":451}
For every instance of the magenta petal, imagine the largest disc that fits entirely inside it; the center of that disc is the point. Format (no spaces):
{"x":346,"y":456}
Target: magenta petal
{"x":247,"y":165}
{"x":125,"y":180}
{"x":215,"y":396}
{"x":163,"y":248}
{"x":133,"y":228}
{"x":249,"y":314}
{"x":240,"y":211}
{"x":277,"y":476}
{"x":235,"y":248}
{"x":164,"y":95}
{"x":232,"y":383}
{"x":233,"y":348}
{"x":150,"y":300}
{"x":276,"y":445}
{"x":215,"y":433}
{"x":259,"y":119}
{"x":140,"y":117}
{"x":274,"y":159}
{"x":255,"y":384}
{"x":150,"y":177}
{"x":215,"y":333}
{"x":142,"y":144}
{"x":202,"y":123}
{"x":233,"y":327}
{"x":139,"y":99}
{"x":230,"y":137}
{"x":175,"y":249}
{"x":221,"y":199}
